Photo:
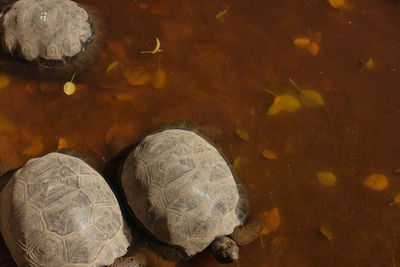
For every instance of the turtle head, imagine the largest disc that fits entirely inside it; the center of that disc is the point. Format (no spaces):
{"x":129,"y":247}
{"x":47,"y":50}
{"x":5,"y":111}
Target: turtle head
{"x":225,"y":249}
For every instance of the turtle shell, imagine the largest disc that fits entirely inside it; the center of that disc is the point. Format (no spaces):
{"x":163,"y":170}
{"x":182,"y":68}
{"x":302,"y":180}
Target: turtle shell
{"x":58,"y":211}
{"x":182,"y":190}
{"x":51,"y":34}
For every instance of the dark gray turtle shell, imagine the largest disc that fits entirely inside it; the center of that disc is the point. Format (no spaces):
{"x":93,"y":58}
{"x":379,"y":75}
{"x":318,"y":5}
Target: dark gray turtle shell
{"x":57,"y":211}
{"x":51,"y":33}
{"x":182,"y":190}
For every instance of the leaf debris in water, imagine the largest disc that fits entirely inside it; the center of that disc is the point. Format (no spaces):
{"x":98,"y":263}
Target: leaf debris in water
{"x":243,"y":134}
{"x":308,"y":97}
{"x":376,"y":182}
{"x":4,"y":81}
{"x":237,"y":163}
{"x":69,"y":87}
{"x":396,"y":200}
{"x":62,"y":143}
{"x":301,"y":42}
{"x":339,"y":4}
{"x":138,"y":77}
{"x":284,"y":103}
{"x":221,"y":13}
{"x":326,"y":178}
{"x":112,"y":66}
{"x":272,"y":220}
{"x":159,"y":78}
{"x":268,"y":154}
{"x":125,"y":96}
{"x":326,"y":232}
{"x":156,"y":48}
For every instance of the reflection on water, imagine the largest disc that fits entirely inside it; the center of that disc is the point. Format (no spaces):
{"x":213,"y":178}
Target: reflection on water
{"x":223,"y":66}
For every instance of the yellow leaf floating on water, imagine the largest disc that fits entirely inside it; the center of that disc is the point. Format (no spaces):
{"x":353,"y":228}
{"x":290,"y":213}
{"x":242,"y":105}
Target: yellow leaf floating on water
{"x":272,"y":220}
{"x":368,"y":65}
{"x":156,"y":48}
{"x":243,"y":134}
{"x":311,"y":98}
{"x":4,"y":81}
{"x":337,"y":3}
{"x":113,"y":66}
{"x":301,"y":42}
{"x":159,"y":78}
{"x":376,"y":182}
{"x":62,"y":143}
{"x":308,"y":97}
{"x":284,"y":103}
{"x":326,"y":178}
{"x":69,"y":88}
{"x":237,"y":163}
{"x":35,"y":148}
{"x":326,"y":232}
{"x":268,"y":154}
{"x":6,"y":125}
{"x":313,"y":48}
{"x":221,"y":13}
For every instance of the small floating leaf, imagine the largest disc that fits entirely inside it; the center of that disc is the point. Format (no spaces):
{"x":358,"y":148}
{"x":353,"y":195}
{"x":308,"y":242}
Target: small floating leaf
{"x":368,"y":65}
{"x":4,"y":81}
{"x":301,"y":42}
{"x":32,"y":87}
{"x":112,"y":66}
{"x":272,"y":220}
{"x":156,"y":48}
{"x":376,"y":182}
{"x":326,"y":178}
{"x":221,"y":13}
{"x":313,"y":48}
{"x":325,"y":232}
{"x":337,"y":3}
{"x":243,"y":134}
{"x":69,"y":88}
{"x":159,"y":78}
{"x":284,"y":103}
{"x":277,"y":106}
{"x":268,"y":154}
{"x":62,"y":143}
{"x":396,"y":200}
{"x":311,"y":98}
{"x":237,"y":163}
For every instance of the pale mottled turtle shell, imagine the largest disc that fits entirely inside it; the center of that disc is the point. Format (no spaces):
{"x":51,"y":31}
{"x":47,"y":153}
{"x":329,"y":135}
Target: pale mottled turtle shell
{"x":182,"y":190}
{"x":58,"y":211}
{"x":48,"y":29}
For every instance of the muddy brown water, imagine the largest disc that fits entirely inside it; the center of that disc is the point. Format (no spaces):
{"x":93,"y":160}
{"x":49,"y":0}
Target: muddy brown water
{"x":216,"y":72}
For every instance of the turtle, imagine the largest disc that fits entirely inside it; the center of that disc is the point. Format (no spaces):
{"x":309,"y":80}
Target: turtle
{"x":51,"y":38}
{"x":58,"y":211}
{"x":184,"y":195}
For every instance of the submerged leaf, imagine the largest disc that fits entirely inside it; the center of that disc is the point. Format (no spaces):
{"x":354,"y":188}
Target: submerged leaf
{"x":243,"y":134}
{"x":125,"y":96}
{"x":221,"y":13}
{"x":237,"y":163}
{"x":62,"y":143}
{"x":326,"y":232}
{"x":279,"y":245}
{"x":138,"y":77}
{"x":268,"y":154}
{"x":272,"y":220}
{"x":313,"y":48}
{"x":337,"y":3}
{"x":326,"y":178}
{"x":396,"y":200}
{"x":376,"y":182}
{"x":311,"y":98}
{"x":301,"y":42}
{"x":112,"y":66}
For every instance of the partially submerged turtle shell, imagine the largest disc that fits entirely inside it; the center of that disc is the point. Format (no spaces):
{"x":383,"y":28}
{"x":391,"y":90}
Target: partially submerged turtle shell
{"x":181,"y":189}
{"x":57,"y":211}
{"x":51,"y":37}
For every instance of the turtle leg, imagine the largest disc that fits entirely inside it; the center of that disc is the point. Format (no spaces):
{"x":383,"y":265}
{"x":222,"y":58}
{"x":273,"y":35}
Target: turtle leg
{"x":6,"y":172}
{"x":225,"y":249}
{"x":136,"y":260}
{"x":245,"y":234}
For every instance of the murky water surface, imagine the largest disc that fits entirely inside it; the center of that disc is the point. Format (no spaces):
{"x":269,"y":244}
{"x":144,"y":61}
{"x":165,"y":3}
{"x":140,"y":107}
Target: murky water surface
{"x":214,"y":70}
